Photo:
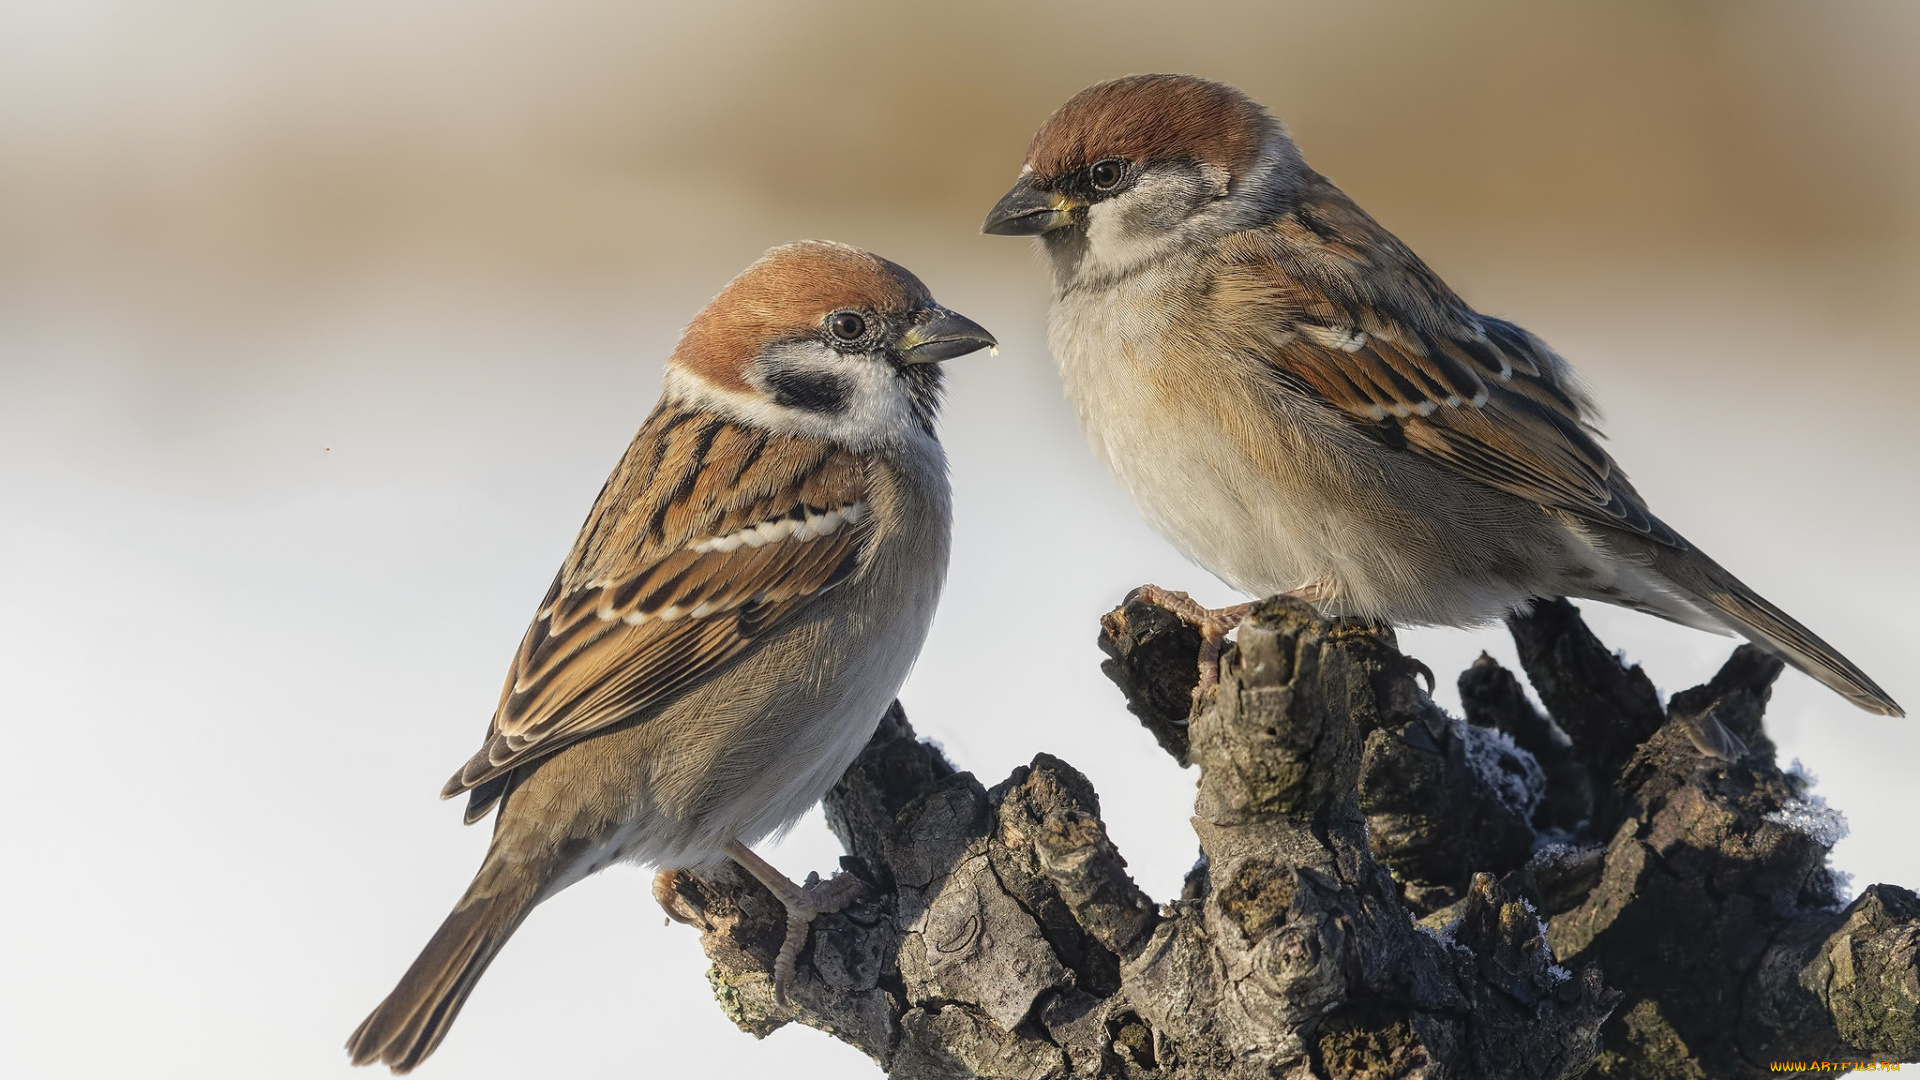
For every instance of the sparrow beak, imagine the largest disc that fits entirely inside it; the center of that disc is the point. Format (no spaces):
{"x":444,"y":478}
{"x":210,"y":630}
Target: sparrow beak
{"x":1027,"y":210}
{"x":938,"y":334}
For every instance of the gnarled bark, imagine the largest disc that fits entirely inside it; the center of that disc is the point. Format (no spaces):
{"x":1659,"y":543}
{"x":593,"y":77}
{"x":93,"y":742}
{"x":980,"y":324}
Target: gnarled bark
{"x":1384,"y":891}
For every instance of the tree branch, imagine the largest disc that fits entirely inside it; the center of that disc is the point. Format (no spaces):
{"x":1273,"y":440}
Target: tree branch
{"x":1691,"y":927}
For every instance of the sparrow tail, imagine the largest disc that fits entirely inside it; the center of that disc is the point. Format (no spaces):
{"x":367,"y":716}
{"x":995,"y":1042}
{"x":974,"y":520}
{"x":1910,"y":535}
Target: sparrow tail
{"x":409,"y":1024}
{"x":1700,"y":578}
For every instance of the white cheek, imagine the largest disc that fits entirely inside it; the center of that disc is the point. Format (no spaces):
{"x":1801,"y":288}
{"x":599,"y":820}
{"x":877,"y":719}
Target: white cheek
{"x":1120,"y":238}
{"x":878,"y":410}
{"x":878,"y":406}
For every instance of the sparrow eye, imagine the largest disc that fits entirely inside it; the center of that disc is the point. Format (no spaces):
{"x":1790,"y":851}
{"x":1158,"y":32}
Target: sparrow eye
{"x":1106,"y":175}
{"x":847,"y":325}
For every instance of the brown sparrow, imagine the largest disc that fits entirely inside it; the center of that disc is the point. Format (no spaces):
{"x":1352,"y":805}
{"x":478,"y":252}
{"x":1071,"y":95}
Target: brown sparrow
{"x":1300,"y":405}
{"x":745,"y":598}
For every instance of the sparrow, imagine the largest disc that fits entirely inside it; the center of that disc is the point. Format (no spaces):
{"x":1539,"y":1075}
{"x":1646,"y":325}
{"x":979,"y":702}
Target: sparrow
{"x":745,"y":598}
{"x":1296,"y":402}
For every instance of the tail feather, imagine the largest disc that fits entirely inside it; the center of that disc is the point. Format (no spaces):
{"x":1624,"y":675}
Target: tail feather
{"x":406,"y":1027}
{"x":1700,"y":578}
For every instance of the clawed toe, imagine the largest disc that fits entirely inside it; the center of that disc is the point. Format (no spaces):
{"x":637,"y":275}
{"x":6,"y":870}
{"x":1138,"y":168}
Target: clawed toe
{"x":815,"y":898}
{"x":1415,"y":667}
{"x":803,"y":903}
{"x":1186,"y":607}
{"x":833,"y":894}
{"x":1214,"y":625}
{"x":799,"y":922}
{"x":666,"y":893}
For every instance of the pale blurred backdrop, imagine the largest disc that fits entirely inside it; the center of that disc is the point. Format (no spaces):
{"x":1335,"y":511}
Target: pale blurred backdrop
{"x":321,"y":323}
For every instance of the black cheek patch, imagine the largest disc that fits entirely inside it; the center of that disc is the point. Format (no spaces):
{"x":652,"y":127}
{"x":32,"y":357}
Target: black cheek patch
{"x":817,"y":391}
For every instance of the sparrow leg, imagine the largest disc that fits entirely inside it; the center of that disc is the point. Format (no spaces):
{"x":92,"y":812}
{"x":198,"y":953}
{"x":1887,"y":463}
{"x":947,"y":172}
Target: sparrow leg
{"x":1313,"y":592}
{"x":1214,"y":625}
{"x":803,"y":902}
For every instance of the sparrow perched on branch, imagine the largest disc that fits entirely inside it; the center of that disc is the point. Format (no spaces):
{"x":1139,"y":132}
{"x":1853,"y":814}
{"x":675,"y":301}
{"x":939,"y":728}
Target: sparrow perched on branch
{"x":745,"y":598}
{"x":1300,"y":405}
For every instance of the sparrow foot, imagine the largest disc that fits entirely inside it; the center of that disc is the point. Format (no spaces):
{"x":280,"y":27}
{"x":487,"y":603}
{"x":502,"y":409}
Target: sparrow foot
{"x":1415,"y":667}
{"x":803,"y":903}
{"x":666,"y":893}
{"x":819,"y":898}
{"x":1214,"y":625}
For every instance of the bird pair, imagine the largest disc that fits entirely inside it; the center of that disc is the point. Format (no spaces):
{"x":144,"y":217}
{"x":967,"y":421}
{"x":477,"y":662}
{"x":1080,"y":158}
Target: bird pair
{"x":1289,"y":395}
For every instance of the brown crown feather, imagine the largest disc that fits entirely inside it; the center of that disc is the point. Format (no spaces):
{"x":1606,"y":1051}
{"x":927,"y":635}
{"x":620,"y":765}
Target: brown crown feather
{"x":1150,"y":118}
{"x":785,"y":294}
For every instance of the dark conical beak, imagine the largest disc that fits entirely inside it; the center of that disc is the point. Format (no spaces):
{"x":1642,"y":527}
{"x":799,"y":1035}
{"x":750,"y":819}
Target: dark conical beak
{"x":938,"y":334}
{"x":1027,"y":210}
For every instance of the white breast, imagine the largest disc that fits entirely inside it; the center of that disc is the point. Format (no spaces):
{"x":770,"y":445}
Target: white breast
{"x":1272,"y":492}
{"x":1175,"y":459}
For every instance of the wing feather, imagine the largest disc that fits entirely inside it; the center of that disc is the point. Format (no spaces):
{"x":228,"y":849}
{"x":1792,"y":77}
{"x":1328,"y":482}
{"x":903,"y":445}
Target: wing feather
{"x":708,"y":535}
{"x":1366,"y":327}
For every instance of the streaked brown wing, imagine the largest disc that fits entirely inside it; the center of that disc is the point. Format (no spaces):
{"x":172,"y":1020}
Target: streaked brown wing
{"x":1368,"y":328}
{"x":707,"y":535}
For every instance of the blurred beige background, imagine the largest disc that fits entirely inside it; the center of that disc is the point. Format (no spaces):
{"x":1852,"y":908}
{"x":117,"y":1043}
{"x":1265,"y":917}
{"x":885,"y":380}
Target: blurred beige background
{"x":320,"y":324}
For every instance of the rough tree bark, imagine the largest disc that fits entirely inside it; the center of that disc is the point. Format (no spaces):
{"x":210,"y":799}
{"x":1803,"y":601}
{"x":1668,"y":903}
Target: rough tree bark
{"x":1383,"y":891}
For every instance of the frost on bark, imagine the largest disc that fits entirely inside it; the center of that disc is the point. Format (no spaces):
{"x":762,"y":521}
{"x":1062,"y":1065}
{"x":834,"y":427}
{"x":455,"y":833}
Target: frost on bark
{"x":1383,"y":891}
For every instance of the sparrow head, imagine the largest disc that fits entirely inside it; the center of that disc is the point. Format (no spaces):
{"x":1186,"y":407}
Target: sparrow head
{"x":825,"y":340}
{"x":1129,"y":170}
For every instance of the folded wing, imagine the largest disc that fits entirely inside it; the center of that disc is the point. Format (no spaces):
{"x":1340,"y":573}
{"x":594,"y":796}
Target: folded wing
{"x":708,"y":535}
{"x":1365,"y":326}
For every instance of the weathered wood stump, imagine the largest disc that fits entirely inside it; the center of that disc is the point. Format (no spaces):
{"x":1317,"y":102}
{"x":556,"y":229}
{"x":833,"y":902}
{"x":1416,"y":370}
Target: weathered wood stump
{"x":1384,"y":891}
